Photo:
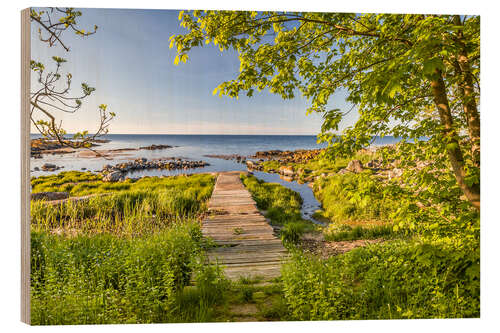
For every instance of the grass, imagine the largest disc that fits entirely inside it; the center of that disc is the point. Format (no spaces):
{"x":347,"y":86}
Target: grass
{"x":135,"y":211}
{"x":281,"y":205}
{"x":137,"y":256}
{"x":126,"y":257}
{"x":97,"y":279}
{"x":65,"y":177}
{"x":344,"y":232}
{"x":319,"y":165}
{"x":392,"y":280}
{"x":89,"y":183}
{"x":134,"y":256}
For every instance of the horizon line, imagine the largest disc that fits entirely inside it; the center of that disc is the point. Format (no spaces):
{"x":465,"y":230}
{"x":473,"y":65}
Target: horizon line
{"x":194,"y":134}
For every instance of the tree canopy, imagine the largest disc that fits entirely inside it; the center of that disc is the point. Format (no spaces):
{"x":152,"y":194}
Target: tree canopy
{"x":409,"y":76}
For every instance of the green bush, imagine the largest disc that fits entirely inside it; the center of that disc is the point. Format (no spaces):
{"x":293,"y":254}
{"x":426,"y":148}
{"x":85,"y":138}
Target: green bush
{"x":385,"y":281}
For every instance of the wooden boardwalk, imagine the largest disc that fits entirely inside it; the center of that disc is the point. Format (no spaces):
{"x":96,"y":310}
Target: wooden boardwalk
{"x":247,"y":245}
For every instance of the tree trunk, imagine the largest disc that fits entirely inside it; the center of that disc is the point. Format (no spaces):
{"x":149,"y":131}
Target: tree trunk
{"x":468,"y":96}
{"x":450,"y":136}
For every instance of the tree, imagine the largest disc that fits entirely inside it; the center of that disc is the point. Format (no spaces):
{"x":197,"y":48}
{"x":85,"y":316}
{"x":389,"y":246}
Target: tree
{"x":53,"y":90}
{"x":409,"y":76}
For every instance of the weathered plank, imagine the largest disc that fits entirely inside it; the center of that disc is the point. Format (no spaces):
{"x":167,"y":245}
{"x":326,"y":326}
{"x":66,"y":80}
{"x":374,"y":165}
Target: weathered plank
{"x":247,"y":244}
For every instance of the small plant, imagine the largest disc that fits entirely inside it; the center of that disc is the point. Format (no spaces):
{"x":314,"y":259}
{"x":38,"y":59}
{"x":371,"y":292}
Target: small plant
{"x":292,"y":232}
{"x":238,"y":231}
{"x":247,"y":294}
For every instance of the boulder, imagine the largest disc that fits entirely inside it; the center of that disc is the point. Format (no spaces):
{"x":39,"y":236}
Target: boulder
{"x":286,"y":170}
{"x":49,"y":196}
{"x":49,"y":167}
{"x":355,"y":166}
{"x":112,"y":177}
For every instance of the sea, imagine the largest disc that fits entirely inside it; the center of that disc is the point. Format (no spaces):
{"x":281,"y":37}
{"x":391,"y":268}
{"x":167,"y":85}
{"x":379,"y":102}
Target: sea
{"x":190,"y":147}
{"x":195,"y":147}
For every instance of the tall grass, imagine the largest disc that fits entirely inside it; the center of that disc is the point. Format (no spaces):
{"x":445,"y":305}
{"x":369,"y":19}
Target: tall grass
{"x":353,"y":197}
{"x":131,"y":212}
{"x":121,"y":258}
{"x":102,"y":278}
{"x":392,"y":280}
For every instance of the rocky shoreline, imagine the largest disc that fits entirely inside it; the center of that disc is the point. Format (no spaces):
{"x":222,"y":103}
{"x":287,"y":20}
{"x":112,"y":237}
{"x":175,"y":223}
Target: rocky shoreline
{"x":290,"y":173}
{"x":44,"y":146}
{"x":114,"y":173}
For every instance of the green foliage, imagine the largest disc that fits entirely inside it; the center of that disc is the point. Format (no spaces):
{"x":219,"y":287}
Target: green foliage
{"x":89,"y":183}
{"x":126,"y":257}
{"x":386,"y":64}
{"x":353,"y":197}
{"x":144,"y":209}
{"x":344,"y":232}
{"x":292,"y":232}
{"x":45,"y":183}
{"x":196,"y":304}
{"x":385,"y":281}
{"x":281,"y":205}
{"x":105,"y":279}
{"x":430,"y":202}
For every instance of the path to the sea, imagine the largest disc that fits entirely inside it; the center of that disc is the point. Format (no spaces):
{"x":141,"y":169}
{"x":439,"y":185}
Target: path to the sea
{"x":247,"y":246}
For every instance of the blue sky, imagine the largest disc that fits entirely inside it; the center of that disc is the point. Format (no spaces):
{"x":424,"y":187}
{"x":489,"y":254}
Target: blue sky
{"x":130,"y":64}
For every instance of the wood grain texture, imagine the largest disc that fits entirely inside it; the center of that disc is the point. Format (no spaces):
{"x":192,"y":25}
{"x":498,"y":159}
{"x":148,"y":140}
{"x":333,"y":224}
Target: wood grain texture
{"x":25,"y":165}
{"x":247,"y":244}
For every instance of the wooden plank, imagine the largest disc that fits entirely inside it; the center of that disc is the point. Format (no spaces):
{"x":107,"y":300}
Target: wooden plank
{"x":256,"y":251}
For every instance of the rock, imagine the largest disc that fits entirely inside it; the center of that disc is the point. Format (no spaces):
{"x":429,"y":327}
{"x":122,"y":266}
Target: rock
{"x":49,"y":167}
{"x":394,"y":173}
{"x":156,"y":147}
{"x":49,"y":196}
{"x":112,"y":176}
{"x":355,"y":166}
{"x":309,"y":179}
{"x":373,"y":164}
{"x":286,"y":170}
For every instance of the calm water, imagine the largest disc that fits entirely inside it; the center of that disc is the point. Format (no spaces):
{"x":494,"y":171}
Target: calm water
{"x":189,"y":147}
{"x":194,"y":147}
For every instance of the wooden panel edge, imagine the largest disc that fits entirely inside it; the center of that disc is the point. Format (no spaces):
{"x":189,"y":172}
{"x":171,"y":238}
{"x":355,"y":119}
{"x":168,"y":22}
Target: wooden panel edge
{"x":25,"y":165}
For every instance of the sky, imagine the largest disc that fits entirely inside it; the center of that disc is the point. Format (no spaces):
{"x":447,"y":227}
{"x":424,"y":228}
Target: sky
{"x":129,"y":62}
